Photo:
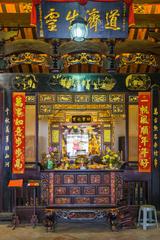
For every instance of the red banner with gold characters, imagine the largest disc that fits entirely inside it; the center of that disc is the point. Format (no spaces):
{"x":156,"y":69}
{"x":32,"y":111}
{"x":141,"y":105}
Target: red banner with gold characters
{"x":144,"y":132}
{"x":18,"y":161}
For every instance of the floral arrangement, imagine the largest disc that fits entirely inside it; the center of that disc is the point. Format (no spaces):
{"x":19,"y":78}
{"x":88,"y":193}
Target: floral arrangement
{"x":48,"y":160}
{"x":112,"y":159}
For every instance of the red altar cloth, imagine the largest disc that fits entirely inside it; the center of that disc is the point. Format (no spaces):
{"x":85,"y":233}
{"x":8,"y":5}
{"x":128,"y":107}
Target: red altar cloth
{"x":15,"y":183}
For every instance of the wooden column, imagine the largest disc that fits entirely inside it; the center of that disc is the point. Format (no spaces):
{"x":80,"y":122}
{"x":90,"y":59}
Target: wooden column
{"x":155,"y":174}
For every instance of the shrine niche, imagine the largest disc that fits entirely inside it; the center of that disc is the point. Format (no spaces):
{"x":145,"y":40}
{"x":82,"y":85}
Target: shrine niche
{"x":76,"y":131}
{"x":81,"y":139}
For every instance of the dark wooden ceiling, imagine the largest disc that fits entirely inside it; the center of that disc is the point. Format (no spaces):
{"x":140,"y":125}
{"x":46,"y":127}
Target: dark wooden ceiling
{"x":15,"y":14}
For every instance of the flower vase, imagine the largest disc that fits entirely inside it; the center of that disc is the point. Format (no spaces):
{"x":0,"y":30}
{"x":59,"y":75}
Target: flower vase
{"x":82,"y":167}
{"x":49,"y":164}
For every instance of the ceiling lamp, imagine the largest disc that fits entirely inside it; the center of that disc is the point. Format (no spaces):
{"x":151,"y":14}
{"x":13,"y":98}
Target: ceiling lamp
{"x":79,"y":29}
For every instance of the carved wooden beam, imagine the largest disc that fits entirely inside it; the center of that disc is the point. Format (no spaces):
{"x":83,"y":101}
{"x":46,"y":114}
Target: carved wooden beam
{"x":91,"y":46}
{"x":147,"y":20}
{"x":15,"y":19}
{"x":155,"y":35}
{"x":28,"y":45}
{"x":4,"y":36}
{"x":137,"y":46}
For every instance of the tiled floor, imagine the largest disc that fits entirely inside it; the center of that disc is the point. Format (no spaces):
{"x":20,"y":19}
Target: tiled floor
{"x":76,"y":232}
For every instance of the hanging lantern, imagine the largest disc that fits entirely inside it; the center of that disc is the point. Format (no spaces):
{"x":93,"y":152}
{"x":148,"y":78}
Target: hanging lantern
{"x":79,"y":30}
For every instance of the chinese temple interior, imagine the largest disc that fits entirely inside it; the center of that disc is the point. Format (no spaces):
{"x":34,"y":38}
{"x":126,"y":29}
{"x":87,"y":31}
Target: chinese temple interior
{"x":79,"y":120}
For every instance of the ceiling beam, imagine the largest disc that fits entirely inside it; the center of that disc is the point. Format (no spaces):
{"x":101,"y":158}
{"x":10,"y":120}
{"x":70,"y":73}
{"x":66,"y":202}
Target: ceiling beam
{"x":16,"y":1}
{"x":147,"y":20}
{"x":15,"y":19}
{"x":134,"y":1}
{"x":146,"y":1}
